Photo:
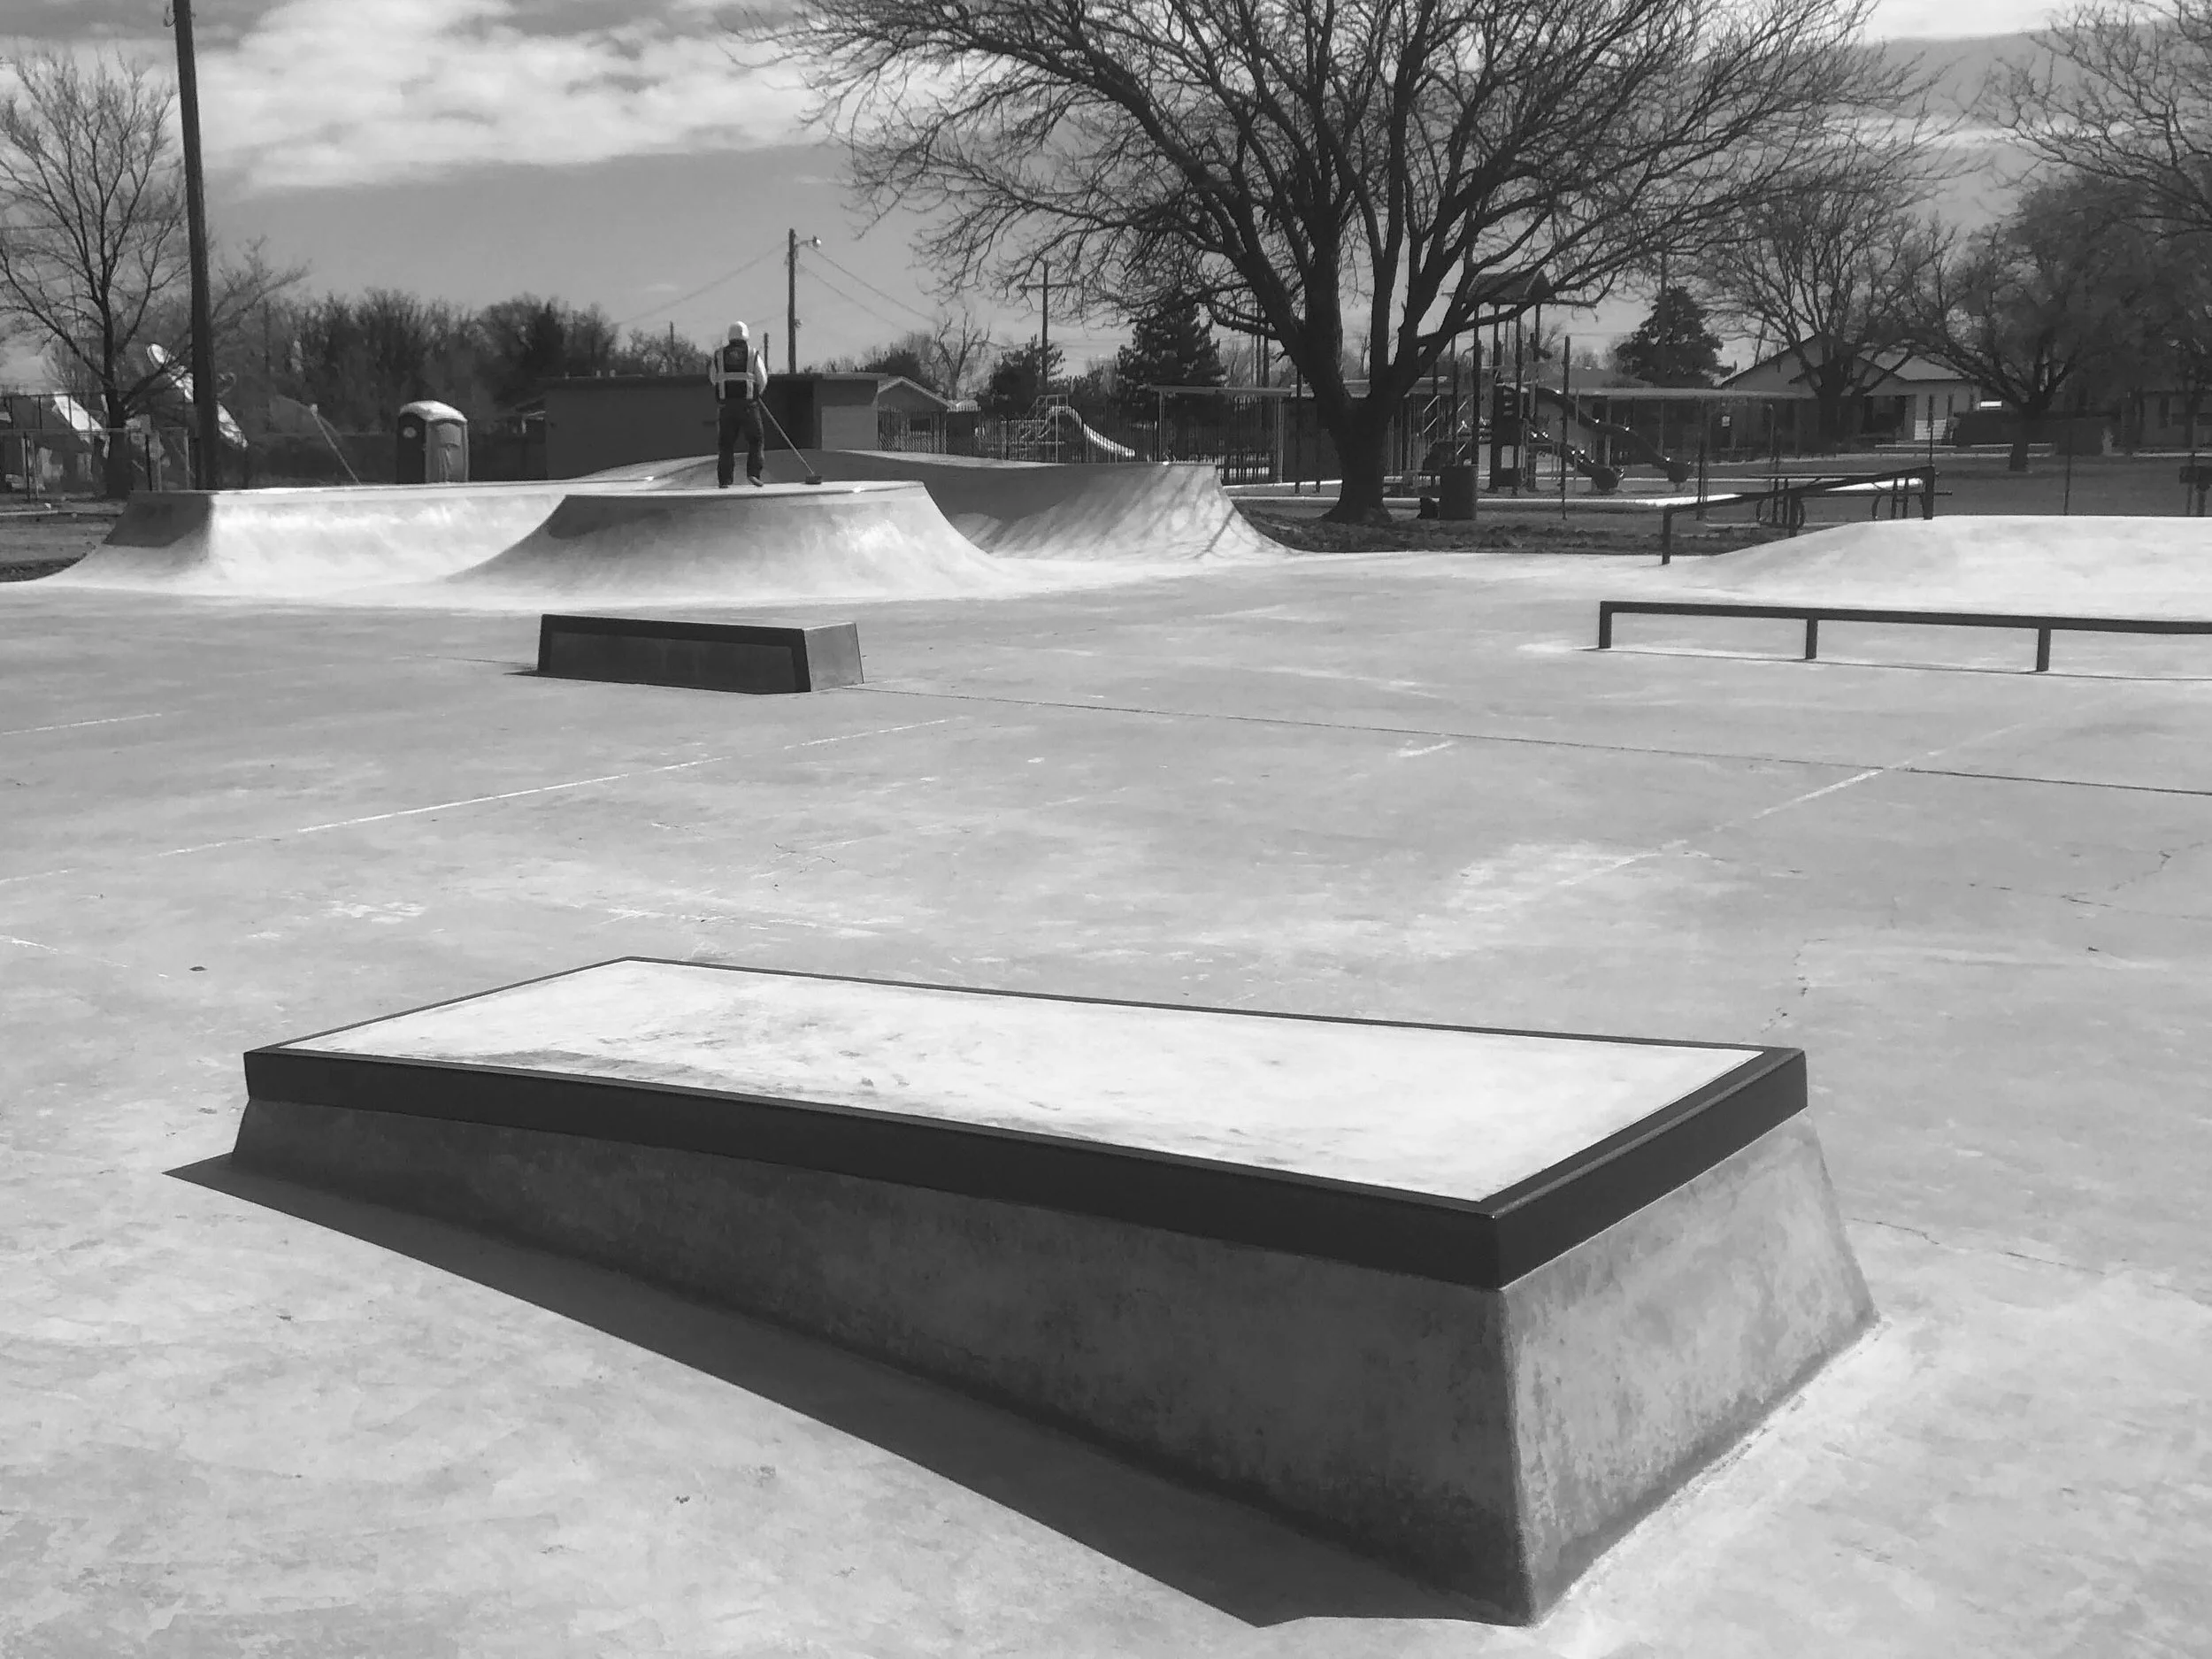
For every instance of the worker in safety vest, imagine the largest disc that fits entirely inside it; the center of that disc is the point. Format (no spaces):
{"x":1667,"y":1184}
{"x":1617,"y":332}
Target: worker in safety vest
{"x":739,"y":378}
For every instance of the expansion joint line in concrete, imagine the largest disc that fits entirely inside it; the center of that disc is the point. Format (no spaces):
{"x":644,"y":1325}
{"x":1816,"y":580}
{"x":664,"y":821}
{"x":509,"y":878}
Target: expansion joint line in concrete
{"x":79,"y":725}
{"x":1861,"y":771}
{"x":506,"y":795}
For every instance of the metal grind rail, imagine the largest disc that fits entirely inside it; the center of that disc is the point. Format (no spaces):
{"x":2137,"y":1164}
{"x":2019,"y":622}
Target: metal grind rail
{"x":1782,"y":502}
{"x":1813,"y":615}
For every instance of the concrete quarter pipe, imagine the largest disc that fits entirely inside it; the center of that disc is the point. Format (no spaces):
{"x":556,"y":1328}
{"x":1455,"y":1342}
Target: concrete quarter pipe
{"x":881,"y":527}
{"x":2077,"y":567}
{"x":1138,"y":514}
{"x":308,"y":544}
{"x":785,"y":541}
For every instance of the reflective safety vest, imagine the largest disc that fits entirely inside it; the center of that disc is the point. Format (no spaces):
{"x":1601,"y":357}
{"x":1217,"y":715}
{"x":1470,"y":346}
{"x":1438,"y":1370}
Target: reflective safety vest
{"x":737,"y":372}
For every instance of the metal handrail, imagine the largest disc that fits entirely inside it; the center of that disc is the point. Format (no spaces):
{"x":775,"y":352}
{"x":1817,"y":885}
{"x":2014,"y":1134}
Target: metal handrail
{"x":1788,"y":495}
{"x":1813,"y":615}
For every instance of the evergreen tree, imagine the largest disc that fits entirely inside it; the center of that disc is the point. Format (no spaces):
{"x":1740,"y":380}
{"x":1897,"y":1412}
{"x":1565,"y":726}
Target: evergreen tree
{"x":1672,"y":346}
{"x":1019,"y":380}
{"x":1172,"y":344}
{"x":904,"y":357}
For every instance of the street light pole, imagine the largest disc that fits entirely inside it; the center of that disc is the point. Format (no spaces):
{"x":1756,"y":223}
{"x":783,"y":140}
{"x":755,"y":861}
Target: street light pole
{"x":206,"y":420}
{"x":791,"y":299}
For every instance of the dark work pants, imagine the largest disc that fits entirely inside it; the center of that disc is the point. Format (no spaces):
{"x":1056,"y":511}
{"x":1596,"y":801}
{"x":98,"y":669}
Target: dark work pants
{"x":737,"y":420}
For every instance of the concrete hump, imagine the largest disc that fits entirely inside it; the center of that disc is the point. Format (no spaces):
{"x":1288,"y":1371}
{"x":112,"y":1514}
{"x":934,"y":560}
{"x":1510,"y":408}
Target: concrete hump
{"x":307,"y":543}
{"x":1132,"y":513}
{"x":782,"y":542}
{"x":2064,"y":566}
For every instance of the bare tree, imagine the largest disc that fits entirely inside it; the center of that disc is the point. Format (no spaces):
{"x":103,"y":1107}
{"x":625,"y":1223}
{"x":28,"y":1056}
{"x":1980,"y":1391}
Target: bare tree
{"x":1398,"y":165}
{"x":2169,"y":326}
{"x":1829,"y":265}
{"x":2036,"y":306}
{"x":2121,"y":91}
{"x":958,"y":345}
{"x":92,"y":242}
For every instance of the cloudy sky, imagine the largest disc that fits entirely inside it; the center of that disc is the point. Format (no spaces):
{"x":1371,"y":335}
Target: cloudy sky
{"x":624,"y":152}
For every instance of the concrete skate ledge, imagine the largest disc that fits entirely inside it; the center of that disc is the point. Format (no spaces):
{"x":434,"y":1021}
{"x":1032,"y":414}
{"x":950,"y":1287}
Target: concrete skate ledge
{"x":748,"y":657}
{"x":1469,"y":1300}
{"x":1485,"y":1241}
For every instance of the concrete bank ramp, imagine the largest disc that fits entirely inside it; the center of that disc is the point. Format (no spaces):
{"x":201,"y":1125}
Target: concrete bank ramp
{"x":1124,"y":513}
{"x":782,"y":542}
{"x":309,"y":543}
{"x":2071,"y":566}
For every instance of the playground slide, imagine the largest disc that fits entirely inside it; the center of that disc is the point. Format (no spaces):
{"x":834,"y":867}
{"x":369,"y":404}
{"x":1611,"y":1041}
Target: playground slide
{"x":1605,"y":479}
{"x":1098,"y":442}
{"x":1638,"y":447}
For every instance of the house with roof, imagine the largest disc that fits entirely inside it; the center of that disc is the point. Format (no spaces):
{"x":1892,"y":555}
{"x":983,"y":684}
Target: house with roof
{"x":1915,"y":399}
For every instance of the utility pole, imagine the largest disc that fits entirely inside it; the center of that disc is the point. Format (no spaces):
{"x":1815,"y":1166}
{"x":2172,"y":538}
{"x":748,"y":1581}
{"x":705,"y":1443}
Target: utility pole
{"x":206,"y":420}
{"x":791,"y":299}
{"x":1566,"y":402}
{"x":1044,"y":328}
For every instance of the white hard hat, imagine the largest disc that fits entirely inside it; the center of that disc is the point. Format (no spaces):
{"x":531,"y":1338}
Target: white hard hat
{"x":737,"y":331}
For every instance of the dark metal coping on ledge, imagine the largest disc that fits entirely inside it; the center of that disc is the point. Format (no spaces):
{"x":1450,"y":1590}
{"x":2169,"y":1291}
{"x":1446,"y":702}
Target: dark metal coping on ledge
{"x":1485,"y":1244}
{"x":1813,"y":615}
{"x":764,"y":655}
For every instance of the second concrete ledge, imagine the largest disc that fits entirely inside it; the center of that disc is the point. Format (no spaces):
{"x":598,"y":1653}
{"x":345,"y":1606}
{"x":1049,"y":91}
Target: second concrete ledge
{"x":752,"y":657}
{"x":1471,"y":1301}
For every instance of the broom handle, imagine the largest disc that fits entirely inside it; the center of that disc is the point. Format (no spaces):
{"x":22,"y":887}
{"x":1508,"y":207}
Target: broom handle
{"x":780,"y":433}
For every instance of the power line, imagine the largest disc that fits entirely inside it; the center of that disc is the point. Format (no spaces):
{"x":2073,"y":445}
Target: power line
{"x":878,"y":293}
{"x":861,"y":304}
{"x":685,"y":299}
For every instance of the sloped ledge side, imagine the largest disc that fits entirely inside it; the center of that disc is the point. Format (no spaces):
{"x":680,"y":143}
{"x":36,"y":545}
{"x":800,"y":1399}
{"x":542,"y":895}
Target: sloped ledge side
{"x":1490,"y":1441}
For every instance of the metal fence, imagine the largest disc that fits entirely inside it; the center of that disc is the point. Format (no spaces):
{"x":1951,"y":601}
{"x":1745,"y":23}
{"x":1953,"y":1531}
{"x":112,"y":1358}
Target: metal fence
{"x":67,"y":464}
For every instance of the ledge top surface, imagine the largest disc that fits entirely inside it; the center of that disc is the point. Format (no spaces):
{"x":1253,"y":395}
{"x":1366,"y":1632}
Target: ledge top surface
{"x":1453,"y":1112}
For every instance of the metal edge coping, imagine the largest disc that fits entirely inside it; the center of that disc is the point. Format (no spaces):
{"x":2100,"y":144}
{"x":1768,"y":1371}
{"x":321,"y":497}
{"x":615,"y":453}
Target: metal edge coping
{"x":1486,"y":1244}
{"x":678,"y":627}
{"x":1748,"y":1049}
{"x":1423,"y":1236}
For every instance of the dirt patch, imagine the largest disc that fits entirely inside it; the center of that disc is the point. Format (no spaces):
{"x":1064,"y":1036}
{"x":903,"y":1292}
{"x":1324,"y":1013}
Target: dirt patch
{"x":36,"y":543}
{"x":1521,"y":535}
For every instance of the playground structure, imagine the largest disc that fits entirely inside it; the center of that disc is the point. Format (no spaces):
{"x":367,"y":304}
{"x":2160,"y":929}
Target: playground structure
{"x":1052,"y":428}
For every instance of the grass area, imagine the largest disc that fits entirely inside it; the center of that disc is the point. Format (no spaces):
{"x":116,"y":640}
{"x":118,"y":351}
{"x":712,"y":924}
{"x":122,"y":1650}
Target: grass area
{"x":1977,"y":482}
{"x":38,"y":541}
{"x":1502,"y":531}
{"x":1969,"y":483}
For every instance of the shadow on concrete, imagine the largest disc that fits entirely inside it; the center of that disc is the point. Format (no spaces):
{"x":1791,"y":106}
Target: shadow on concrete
{"x":1235,"y":1559}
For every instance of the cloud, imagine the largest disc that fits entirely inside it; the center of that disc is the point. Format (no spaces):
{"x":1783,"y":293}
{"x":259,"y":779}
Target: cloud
{"x":323,"y":92}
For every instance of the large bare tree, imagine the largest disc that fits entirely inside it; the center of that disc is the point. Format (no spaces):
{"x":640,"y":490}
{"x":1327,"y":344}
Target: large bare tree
{"x":2121,"y":91}
{"x":1385,"y":170}
{"x":92,"y":237}
{"x":2039,"y":306}
{"x":1828,"y":263}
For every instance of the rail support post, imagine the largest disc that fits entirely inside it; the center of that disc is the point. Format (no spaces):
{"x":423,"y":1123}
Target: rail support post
{"x":1666,"y":535}
{"x":1812,"y":638}
{"x":2043,"y":650}
{"x":1605,"y":626}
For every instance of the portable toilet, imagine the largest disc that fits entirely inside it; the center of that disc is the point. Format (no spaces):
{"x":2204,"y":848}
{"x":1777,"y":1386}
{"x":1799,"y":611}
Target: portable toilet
{"x":433,"y":444}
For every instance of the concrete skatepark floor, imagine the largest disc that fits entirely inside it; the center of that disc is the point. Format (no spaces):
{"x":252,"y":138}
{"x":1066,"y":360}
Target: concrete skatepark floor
{"x":246,"y":1419}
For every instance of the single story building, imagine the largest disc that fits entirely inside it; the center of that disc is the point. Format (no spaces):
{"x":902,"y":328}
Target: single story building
{"x":618,"y":419}
{"x":1915,"y":397}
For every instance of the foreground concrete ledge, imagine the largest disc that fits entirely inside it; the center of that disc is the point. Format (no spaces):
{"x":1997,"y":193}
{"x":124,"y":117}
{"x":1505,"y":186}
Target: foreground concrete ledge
{"x":1471,"y":1301}
{"x":749,"y":656}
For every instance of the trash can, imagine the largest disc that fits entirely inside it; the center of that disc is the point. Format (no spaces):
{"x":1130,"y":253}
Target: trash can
{"x":433,"y":444}
{"x":1455,"y":487}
